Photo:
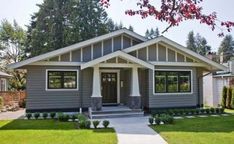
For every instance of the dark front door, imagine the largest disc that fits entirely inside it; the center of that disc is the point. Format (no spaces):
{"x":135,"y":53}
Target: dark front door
{"x":109,"y":87}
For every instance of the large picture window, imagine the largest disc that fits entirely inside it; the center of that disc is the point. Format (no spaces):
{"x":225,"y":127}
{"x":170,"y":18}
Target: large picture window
{"x":172,"y":81}
{"x":62,"y":80}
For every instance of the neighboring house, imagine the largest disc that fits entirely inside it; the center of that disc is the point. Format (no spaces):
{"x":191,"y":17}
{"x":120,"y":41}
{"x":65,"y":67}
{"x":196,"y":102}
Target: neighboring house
{"x":214,"y":83}
{"x":4,"y":81}
{"x":121,"y":67}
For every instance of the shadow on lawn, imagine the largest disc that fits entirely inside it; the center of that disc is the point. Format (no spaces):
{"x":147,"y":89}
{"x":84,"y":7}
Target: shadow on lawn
{"x":210,"y":124}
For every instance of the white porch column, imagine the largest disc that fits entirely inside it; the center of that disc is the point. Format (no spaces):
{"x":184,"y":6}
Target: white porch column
{"x":96,"y":92}
{"x":134,"y":101}
{"x":135,"y":91}
{"x":96,"y":98}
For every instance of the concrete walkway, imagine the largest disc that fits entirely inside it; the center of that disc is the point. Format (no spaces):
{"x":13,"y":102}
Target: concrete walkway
{"x":135,"y":130}
{"x":12,"y":115}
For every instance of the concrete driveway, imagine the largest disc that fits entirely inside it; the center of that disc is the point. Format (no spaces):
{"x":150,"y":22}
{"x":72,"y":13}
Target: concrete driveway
{"x":135,"y":130}
{"x":12,"y":115}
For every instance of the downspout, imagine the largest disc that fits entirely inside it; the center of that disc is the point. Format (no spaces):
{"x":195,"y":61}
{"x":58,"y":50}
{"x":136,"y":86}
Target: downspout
{"x":81,"y":92}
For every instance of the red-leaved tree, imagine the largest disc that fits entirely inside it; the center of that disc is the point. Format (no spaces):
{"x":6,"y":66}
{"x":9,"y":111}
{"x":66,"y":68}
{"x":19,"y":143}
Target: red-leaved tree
{"x":176,"y":11}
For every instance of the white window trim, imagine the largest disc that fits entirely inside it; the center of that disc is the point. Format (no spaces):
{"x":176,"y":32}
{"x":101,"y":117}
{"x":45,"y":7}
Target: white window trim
{"x":118,"y":80}
{"x":177,"y":93}
{"x":5,"y":84}
{"x":46,"y":80}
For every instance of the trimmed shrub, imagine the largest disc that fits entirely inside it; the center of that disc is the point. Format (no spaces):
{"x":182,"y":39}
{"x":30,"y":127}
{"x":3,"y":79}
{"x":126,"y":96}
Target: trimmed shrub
{"x":36,"y":115}
{"x":207,"y":111}
{"x":28,"y":115}
{"x":74,"y":117}
{"x":229,"y":98}
{"x":105,"y":123}
{"x":45,"y":115}
{"x":232,"y":101}
{"x":212,"y":110}
{"x":81,"y":117}
{"x":63,"y":117}
{"x":157,"y":120}
{"x":221,"y":110}
{"x":202,"y":111}
{"x":151,"y":120}
{"x":96,"y":123}
{"x":52,"y":115}
{"x":87,"y":124}
{"x":224,"y":97}
{"x":1,"y":103}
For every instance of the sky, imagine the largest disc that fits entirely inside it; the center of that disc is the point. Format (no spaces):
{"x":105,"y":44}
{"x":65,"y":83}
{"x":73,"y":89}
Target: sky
{"x":20,"y":10}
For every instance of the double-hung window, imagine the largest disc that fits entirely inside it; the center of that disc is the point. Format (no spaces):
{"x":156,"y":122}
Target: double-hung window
{"x":61,"y":79}
{"x":172,"y":81}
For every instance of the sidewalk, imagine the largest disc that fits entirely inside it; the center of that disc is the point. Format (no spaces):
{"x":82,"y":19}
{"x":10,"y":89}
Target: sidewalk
{"x":12,"y":115}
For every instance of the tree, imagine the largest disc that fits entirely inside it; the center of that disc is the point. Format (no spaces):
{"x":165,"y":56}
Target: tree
{"x":61,"y":23}
{"x":12,"y":45}
{"x":197,"y":44}
{"x":131,"y":28}
{"x":150,"y":34}
{"x":224,"y":97}
{"x":174,"y":12}
{"x":229,"y":97}
{"x":232,"y":100}
{"x":226,"y":47}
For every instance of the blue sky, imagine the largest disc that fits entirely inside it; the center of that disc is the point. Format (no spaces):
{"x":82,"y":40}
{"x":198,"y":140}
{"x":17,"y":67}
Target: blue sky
{"x":22,"y":9}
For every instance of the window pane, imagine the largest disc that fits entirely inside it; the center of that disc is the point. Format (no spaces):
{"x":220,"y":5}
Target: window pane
{"x":185,"y":82}
{"x":70,"y":79}
{"x":55,"y":81}
{"x":160,"y":82}
{"x":172,"y":82}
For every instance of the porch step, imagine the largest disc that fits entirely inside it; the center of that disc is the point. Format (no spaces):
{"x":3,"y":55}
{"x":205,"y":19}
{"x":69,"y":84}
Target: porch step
{"x":114,"y":112}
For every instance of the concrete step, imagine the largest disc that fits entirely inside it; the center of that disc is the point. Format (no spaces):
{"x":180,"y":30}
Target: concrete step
{"x":116,"y":111}
{"x":117,"y":115}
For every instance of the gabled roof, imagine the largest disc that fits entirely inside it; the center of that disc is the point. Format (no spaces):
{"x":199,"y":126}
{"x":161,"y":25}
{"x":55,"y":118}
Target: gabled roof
{"x":2,"y":74}
{"x":117,"y":54}
{"x":177,"y":46}
{"x":77,"y":46}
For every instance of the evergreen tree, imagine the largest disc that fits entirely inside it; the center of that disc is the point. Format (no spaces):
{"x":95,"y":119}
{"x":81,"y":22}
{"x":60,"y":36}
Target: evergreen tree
{"x":226,"y":47}
{"x":151,"y":34}
{"x":191,"y":42}
{"x":131,"y":28}
{"x":61,"y":23}
{"x":224,"y":97}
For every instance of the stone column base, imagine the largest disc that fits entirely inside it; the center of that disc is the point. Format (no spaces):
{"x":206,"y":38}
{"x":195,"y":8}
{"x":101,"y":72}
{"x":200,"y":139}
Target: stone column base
{"x":96,"y":103}
{"x":134,"y":102}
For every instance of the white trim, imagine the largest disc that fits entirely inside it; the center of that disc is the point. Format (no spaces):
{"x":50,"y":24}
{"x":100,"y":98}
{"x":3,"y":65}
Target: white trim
{"x":77,"y":46}
{"x":46,"y":80}
{"x":137,"y":53}
{"x":81,"y":54}
{"x":59,"y":58}
{"x":185,"y":58}
{"x":116,"y":54}
{"x":70,"y":56}
{"x":96,"y":88}
{"x":118,"y":65}
{"x":178,"y":93}
{"x":131,"y":42}
{"x":5,"y":84}
{"x":176,"y":56}
{"x":193,"y":64}
{"x":51,"y":63}
{"x":135,"y":89}
{"x":215,"y":65}
{"x":157,"y":52}
{"x":118,"y":80}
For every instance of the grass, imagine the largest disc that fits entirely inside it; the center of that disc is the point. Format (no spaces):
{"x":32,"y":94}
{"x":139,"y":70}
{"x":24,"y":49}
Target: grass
{"x":213,"y":130}
{"x":229,"y":110}
{"x":52,"y":132}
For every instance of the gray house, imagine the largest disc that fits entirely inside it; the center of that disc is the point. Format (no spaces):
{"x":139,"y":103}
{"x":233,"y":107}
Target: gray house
{"x":119,"y":68}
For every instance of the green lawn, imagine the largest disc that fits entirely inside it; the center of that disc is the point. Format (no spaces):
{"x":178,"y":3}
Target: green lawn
{"x":229,"y":110}
{"x":52,"y":132}
{"x":210,"y":130}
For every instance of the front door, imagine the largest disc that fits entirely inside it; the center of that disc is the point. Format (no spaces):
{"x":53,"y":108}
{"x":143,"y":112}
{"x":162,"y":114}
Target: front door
{"x":109,"y":87}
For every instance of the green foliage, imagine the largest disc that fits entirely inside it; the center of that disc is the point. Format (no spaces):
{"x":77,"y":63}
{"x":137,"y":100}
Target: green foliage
{"x":226,"y":47}
{"x":52,"y":115}
{"x":64,"y":22}
{"x":96,"y":123}
{"x":105,"y":123}
{"x":45,"y":115}
{"x":151,"y":34}
{"x":157,"y":120}
{"x":63,"y":117}
{"x":36,"y":115}
{"x":229,"y":97}
{"x":224,"y":97}
{"x":232,"y":100}
{"x":1,"y":102}
{"x":28,"y":115}
{"x":81,"y":117}
{"x":74,"y":117}
{"x":151,"y":120}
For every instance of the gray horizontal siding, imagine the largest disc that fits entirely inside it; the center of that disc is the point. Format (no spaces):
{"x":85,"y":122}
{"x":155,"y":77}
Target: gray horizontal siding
{"x":173,"y":100}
